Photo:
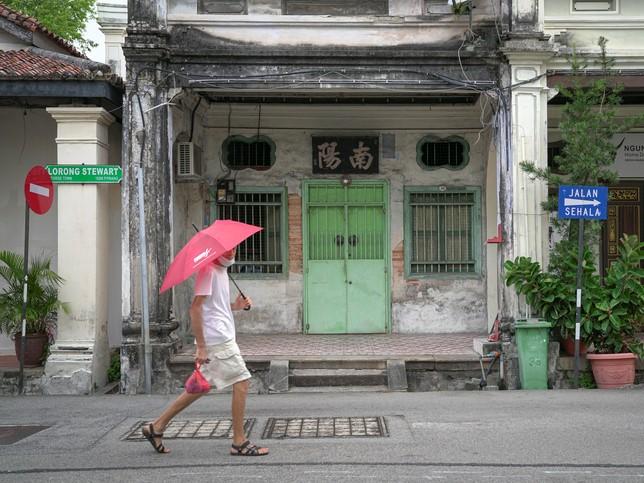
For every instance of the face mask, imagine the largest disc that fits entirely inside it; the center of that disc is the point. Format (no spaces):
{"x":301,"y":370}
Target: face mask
{"x":226,"y":262}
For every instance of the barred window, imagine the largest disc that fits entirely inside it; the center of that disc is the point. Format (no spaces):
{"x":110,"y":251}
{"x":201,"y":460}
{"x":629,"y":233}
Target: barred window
{"x":442,"y":231}
{"x":240,"y":152}
{"x":264,"y":252}
{"x":434,"y":153}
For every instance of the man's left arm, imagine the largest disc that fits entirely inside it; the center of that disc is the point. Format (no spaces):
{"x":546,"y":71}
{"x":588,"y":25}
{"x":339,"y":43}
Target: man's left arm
{"x":241,"y":302}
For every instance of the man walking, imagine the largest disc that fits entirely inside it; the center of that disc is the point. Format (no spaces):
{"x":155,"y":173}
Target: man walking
{"x":213,"y":326}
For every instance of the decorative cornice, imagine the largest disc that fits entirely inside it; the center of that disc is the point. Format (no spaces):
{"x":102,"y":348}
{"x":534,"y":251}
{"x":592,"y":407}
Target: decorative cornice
{"x":81,"y":114}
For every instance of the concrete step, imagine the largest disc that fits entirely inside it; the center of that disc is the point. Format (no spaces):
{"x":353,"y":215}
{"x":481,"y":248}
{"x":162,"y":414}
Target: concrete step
{"x":337,"y":377}
{"x":338,"y":389}
{"x":337,"y":364}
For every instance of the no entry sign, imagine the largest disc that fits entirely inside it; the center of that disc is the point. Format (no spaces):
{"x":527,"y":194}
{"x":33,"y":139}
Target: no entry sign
{"x":39,"y":190}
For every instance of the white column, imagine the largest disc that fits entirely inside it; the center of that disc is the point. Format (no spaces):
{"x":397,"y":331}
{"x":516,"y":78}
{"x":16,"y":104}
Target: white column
{"x":112,"y":19}
{"x":529,"y":143}
{"x":79,"y":359}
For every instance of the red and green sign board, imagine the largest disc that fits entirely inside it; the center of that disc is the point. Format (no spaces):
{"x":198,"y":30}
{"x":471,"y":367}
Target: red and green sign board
{"x":85,"y":173}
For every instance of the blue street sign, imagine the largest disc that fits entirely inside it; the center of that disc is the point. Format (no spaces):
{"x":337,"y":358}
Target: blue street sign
{"x":583,"y":202}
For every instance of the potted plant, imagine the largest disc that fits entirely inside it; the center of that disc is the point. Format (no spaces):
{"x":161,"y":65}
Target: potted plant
{"x":42,"y":304}
{"x":613,"y":311}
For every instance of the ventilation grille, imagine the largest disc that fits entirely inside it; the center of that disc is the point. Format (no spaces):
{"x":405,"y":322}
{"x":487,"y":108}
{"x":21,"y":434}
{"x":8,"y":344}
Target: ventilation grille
{"x":185,"y":152}
{"x":439,"y":154}
{"x":242,"y":153}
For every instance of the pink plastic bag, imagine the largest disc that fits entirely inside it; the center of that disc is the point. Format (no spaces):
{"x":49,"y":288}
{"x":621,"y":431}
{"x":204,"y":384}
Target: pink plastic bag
{"x":197,"y":383}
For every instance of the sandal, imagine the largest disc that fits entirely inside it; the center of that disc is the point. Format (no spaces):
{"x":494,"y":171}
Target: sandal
{"x":149,"y":433}
{"x":248,"y":449}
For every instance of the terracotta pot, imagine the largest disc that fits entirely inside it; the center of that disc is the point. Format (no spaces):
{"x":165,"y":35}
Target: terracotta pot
{"x":568,"y":346}
{"x":613,"y":370}
{"x":34,"y":348}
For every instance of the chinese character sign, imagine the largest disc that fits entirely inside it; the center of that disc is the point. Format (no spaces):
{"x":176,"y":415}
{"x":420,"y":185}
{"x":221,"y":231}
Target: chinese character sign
{"x":345,"y":154}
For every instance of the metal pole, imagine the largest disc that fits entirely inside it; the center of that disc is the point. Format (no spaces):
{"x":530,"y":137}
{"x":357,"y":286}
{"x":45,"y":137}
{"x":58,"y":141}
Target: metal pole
{"x":23,"y":338}
{"x":145,"y":326}
{"x":580,"y":261}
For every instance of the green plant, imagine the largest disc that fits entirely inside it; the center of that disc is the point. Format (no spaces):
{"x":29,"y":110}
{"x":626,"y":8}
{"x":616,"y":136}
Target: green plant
{"x":114,"y":371}
{"x":42,"y":295}
{"x":611,"y":310}
{"x":461,"y":7}
{"x":614,"y":309}
{"x":551,"y":294}
{"x":587,"y":381}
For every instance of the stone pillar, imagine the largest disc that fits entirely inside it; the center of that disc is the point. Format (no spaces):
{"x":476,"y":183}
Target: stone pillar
{"x":529,"y":143}
{"x":80,"y":357}
{"x":146,"y":144}
{"x":523,"y":195}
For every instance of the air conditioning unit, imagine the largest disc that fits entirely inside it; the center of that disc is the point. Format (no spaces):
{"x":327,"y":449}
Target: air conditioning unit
{"x":188,"y":157}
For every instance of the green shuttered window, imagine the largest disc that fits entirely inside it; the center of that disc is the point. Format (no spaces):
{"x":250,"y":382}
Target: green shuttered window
{"x":442,"y":231}
{"x":265,"y":253}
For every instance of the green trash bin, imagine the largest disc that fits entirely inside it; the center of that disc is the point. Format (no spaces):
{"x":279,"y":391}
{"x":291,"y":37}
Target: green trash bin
{"x":532,"y":343}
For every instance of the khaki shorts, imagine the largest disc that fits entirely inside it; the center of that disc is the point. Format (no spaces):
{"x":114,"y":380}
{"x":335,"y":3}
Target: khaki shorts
{"x":226,"y":366}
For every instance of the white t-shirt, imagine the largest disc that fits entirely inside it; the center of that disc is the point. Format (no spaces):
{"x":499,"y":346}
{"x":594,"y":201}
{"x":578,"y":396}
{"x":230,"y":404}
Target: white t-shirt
{"x":218,"y":322}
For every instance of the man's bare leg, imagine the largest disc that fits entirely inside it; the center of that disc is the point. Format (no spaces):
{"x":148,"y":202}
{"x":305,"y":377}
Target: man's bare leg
{"x":179,"y":404}
{"x":240,"y":394}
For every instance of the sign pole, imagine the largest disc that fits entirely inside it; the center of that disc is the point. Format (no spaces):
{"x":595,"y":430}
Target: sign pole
{"x":23,"y":338}
{"x":580,"y":261}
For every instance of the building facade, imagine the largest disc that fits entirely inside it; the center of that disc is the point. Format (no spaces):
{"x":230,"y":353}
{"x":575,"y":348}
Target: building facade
{"x":372,"y":142}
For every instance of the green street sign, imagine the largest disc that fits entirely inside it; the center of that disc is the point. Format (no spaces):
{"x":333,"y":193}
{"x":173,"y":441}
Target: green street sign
{"x":84,"y":173}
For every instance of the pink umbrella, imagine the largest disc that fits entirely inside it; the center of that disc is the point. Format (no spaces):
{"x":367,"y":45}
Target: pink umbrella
{"x":206,"y":246}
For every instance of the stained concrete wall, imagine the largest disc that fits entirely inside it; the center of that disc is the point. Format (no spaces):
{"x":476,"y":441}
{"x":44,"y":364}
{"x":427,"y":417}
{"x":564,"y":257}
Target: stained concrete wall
{"x":434,"y":305}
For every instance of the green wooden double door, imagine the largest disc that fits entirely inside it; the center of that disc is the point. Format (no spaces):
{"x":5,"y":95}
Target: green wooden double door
{"x":346,"y":263}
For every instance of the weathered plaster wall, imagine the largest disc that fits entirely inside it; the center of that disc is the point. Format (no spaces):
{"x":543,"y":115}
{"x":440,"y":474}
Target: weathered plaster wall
{"x":26,"y":139}
{"x":624,"y":29}
{"x":425,"y":305}
{"x":10,"y":42}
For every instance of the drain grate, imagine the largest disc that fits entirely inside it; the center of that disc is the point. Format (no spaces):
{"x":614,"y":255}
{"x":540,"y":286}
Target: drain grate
{"x":350,"y":427}
{"x":193,"y":429}
{"x":13,"y":434}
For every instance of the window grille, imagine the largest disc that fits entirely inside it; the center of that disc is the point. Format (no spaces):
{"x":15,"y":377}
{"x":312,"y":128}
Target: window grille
{"x":240,"y":152}
{"x":264,"y":252}
{"x":443,"y":232}
{"x":448,"y":153}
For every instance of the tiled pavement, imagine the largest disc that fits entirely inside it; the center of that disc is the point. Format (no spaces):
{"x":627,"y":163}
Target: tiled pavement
{"x":356,"y":346}
{"x":352,"y":346}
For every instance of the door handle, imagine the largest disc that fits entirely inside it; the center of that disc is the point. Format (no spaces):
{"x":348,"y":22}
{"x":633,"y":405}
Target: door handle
{"x":353,"y":240}
{"x":339,"y":240}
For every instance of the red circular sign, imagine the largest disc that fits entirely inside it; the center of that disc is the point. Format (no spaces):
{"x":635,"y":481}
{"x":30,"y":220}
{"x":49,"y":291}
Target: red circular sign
{"x":39,"y":190}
